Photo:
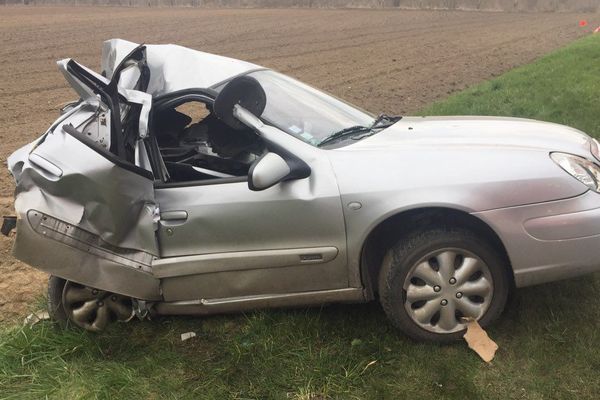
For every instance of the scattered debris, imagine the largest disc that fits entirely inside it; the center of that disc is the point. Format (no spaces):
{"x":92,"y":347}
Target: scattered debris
{"x":479,"y":341}
{"x":368,"y":365}
{"x":187,"y":335}
{"x":36,"y":317}
{"x":597,"y":30}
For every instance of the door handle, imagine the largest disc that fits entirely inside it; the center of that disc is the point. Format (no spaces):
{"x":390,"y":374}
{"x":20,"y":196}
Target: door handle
{"x":178,"y":215}
{"x":45,"y":165}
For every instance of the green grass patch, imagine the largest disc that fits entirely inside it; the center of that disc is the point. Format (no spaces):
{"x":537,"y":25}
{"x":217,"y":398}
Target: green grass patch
{"x":548,"y":349}
{"x":548,"y":337}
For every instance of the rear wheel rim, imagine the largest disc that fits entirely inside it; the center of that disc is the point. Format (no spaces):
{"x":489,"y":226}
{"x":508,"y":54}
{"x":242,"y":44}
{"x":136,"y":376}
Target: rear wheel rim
{"x":446,"y":286}
{"x":93,"y":309}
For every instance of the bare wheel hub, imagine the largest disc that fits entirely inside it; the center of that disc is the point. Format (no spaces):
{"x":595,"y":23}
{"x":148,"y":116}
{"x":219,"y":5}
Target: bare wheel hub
{"x":445,"y":286}
{"x":93,"y":309}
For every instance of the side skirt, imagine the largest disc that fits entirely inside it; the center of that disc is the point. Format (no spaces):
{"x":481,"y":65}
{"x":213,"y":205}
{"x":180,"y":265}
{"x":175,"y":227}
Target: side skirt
{"x":245,"y":303}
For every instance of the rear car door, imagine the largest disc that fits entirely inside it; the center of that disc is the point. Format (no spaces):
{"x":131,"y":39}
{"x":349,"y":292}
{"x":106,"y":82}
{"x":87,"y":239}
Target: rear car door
{"x":84,"y":198}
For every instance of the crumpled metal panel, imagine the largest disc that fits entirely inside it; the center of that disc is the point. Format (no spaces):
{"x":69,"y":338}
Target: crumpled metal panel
{"x":97,"y":269}
{"x":132,"y":96}
{"x":175,"y":67}
{"x":78,"y":185}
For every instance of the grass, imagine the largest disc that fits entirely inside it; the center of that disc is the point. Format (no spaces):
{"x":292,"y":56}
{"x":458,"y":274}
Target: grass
{"x":548,"y":337}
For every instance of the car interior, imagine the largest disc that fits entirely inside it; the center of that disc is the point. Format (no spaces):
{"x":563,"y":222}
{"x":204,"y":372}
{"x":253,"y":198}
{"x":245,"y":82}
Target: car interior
{"x":195,"y":145}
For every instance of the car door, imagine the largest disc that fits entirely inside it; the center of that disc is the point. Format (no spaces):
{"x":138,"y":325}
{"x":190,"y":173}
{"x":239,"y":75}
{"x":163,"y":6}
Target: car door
{"x":86,"y":208}
{"x":221,"y":240}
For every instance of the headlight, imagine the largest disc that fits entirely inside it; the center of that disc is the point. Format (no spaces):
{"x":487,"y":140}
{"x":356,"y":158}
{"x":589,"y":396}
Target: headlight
{"x":581,"y":169}
{"x":595,"y":149}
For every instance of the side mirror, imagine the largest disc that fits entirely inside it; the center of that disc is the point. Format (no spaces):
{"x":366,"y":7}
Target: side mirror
{"x":269,"y":170}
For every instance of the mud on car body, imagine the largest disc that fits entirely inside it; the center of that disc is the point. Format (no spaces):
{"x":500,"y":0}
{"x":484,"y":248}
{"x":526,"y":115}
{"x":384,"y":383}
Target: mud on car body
{"x":183,"y":182}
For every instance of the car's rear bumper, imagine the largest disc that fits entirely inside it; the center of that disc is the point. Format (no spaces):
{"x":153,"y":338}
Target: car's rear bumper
{"x":550,"y":241}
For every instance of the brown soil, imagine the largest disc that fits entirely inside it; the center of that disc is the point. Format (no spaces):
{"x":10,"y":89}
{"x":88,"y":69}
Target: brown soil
{"x":382,"y":60}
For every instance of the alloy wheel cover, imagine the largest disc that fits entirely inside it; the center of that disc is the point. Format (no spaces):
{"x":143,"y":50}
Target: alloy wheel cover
{"x":93,"y":309}
{"x":445,"y":286}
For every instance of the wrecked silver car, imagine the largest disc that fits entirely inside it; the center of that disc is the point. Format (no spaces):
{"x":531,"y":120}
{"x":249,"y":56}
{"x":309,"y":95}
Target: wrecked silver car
{"x":183,"y":182}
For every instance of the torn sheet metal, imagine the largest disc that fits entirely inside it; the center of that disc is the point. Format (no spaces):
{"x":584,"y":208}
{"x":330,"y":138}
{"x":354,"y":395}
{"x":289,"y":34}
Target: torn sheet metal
{"x":57,"y":248}
{"x":34,"y":318}
{"x":106,"y":214}
{"x":60,"y":175}
{"x":143,"y":99}
{"x":174,"y":67}
{"x":126,"y":83}
{"x":85,"y":210}
{"x":85,"y":189}
{"x":84,"y":92}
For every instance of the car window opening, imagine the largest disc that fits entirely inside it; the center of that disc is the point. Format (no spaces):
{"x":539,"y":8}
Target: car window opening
{"x":196,"y":146}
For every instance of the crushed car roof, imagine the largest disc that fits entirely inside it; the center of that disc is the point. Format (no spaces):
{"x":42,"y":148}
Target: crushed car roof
{"x":174,"y":67}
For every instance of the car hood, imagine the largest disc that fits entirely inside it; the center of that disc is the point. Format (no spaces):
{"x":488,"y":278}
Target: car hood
{"x":478,"y":132}
{"x":470,"y":163}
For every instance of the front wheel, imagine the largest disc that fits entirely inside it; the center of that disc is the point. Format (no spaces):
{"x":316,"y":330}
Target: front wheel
{"x":431,"y":281}
{"x":88,"y":308}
